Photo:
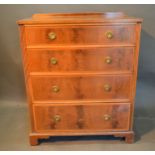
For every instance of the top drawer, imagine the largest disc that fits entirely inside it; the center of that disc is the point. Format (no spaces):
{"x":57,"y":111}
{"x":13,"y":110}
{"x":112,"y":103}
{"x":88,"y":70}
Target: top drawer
{"x":82,"y":35}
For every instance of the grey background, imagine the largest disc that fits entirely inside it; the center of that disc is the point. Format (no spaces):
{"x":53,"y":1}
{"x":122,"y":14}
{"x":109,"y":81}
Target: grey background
{"x":12,"y":89}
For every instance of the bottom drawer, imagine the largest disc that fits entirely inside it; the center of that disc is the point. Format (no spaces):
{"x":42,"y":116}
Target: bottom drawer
{"x":98,"y":117}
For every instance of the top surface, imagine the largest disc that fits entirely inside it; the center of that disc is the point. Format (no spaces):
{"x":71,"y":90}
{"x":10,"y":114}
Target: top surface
{"x":81,"y":18}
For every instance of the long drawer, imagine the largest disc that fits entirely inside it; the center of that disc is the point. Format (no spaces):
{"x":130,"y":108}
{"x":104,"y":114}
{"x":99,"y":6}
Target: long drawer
{"x":101,"y":117}
{"x":75,"y":87}
{"x":88,"y":59}
{"x":114,"y":34}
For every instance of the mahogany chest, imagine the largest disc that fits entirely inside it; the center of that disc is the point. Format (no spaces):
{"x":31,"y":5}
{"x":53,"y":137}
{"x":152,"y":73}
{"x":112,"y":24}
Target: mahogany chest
{"x":80,"y":73}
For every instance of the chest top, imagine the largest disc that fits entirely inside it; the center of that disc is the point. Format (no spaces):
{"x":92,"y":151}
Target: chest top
{"x":80,"y":18}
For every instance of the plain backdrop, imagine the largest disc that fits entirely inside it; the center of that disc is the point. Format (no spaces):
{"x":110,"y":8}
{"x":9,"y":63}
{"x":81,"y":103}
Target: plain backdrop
{"x":12,"y":88}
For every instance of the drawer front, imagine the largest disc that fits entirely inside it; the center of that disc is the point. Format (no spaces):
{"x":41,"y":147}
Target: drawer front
{"x":106,"y":117}
{"x":95,"y":59}
{"x":80,"y":34}
{"x":46,"y":88}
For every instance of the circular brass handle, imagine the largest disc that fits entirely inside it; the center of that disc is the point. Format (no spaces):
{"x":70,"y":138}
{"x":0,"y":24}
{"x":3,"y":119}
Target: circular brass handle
{"x":107,"y":117}
{"x":57,"y":118}
{"x":108,"y":60}
{"x":107,"y":87}
{"x":54,"y":61}
{"x":52,"y":36}
{"x":55,"y":89}
{"x":109,"y":35}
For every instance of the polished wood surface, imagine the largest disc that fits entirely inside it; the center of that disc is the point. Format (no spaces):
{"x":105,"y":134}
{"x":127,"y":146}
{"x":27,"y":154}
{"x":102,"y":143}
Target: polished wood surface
{"x":80,"y":34}
{"x":108,"y":117}
{"x":90,"y":59}
{"x":87,"y":18}
{"x":80,"y":73}
{"x":80,"y":88}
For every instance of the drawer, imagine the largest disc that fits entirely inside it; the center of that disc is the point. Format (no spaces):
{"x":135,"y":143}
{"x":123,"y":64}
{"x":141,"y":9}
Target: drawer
{"x":94,"y":59}
{"x":101,"y":117}
{"x":115,"y":34}
{"x":104,"y":87}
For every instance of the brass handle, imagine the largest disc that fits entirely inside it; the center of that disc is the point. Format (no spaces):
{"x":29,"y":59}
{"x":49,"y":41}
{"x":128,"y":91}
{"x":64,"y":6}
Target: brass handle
{"x":107,"y":117}
{"x":54,"y":61}
{"x":107,"y":87}
{"x":57,"y":118}
{"x":55,"y":89}
{"x":52,"y":36}
{"x":108,"y":60}
{"x":109,"y":35}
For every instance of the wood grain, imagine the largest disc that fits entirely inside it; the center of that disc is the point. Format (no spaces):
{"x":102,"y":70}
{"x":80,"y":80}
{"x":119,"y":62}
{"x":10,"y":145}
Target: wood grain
{"x":80,"y":34}
{"x":90,"y":59}
{"x":87,"y":117}
{"x":80,"y":88}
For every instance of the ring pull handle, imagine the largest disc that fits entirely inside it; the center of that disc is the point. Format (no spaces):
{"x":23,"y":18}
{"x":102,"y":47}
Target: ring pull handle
{"x":52,"y":36}
{"x":53,"y":61}
{"x":108,"y":60}
{"x":109,"y":35}
{"x":56,"y":118}
{"x":107,"y":117}
{"x":55,"y":89}
{"x":107,"y":87}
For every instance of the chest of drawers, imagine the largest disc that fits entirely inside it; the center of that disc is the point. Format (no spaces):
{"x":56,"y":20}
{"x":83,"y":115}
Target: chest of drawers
{"x":80,"y":73}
